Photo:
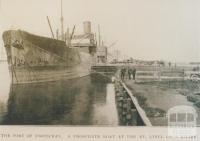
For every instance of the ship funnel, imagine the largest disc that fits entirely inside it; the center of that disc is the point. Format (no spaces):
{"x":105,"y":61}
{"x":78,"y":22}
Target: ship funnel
{"x":87,"y":27}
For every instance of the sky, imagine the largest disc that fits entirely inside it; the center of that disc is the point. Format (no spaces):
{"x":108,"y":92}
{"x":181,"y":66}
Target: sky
{"x":144,"y":29}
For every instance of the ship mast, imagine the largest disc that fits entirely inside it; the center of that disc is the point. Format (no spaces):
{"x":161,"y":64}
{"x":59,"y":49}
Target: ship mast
{"x":99,"y":35}
{"x":50,"y":27}
{"x":62,"y":20}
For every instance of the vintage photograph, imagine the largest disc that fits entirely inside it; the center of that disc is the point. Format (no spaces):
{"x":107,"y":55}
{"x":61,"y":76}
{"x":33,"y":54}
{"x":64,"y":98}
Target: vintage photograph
{"x":97,"y":63}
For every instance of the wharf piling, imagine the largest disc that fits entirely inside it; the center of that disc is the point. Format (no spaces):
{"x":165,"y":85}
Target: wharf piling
{"x":129,"y":111}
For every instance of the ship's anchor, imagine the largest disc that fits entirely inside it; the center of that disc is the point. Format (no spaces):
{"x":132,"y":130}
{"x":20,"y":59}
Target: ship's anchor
{"x":18,"y":44}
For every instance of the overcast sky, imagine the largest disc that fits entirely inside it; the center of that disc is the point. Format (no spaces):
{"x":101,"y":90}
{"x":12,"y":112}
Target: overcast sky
{"x":145,"y":29}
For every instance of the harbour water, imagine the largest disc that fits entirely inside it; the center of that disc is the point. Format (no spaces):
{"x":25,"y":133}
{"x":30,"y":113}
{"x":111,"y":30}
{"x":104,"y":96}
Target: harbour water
{"x":88,"y":100}
{"x":4,"y":89}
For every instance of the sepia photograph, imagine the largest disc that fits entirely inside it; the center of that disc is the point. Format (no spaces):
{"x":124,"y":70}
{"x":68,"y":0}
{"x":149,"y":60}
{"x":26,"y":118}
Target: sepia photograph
{"x":100,"y":64}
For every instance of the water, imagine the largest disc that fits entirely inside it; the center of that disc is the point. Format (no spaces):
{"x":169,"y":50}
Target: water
{"x":4,"y":88}
{"x":101,"y":111}
{"x":88,"y":100}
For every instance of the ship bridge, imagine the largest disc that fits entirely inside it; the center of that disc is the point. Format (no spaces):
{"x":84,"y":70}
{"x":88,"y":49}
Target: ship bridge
{"x":83,"y":40}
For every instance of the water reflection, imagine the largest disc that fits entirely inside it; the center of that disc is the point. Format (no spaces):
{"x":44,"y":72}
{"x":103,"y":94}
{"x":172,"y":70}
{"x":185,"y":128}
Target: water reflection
{"x":4,"y":89}
{"x":106,"y":114}
{"x":71,"y":102}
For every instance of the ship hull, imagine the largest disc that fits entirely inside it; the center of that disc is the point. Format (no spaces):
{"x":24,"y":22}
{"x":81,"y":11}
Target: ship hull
{"x":34,"y":59}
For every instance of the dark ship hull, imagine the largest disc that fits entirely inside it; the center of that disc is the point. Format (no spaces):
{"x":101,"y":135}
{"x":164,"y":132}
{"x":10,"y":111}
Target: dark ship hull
{"x":33,"y":58}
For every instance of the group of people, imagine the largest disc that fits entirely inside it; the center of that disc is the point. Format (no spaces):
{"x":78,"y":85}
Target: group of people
{"x":127,"y":73}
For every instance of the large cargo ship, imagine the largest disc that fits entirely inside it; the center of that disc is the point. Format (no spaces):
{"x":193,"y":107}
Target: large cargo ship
{"x":34,"y":58}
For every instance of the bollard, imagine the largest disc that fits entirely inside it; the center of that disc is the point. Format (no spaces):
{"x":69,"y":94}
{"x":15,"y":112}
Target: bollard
{"x":124,"y":105}
{"x":128,"y":118}
{"x":129,"y":102}
{"x":120,"y":98}
{"x":134,"y":116}
{"x":124,"y":120}
{"x":119,"y":104}
{"x":118,"y":94}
